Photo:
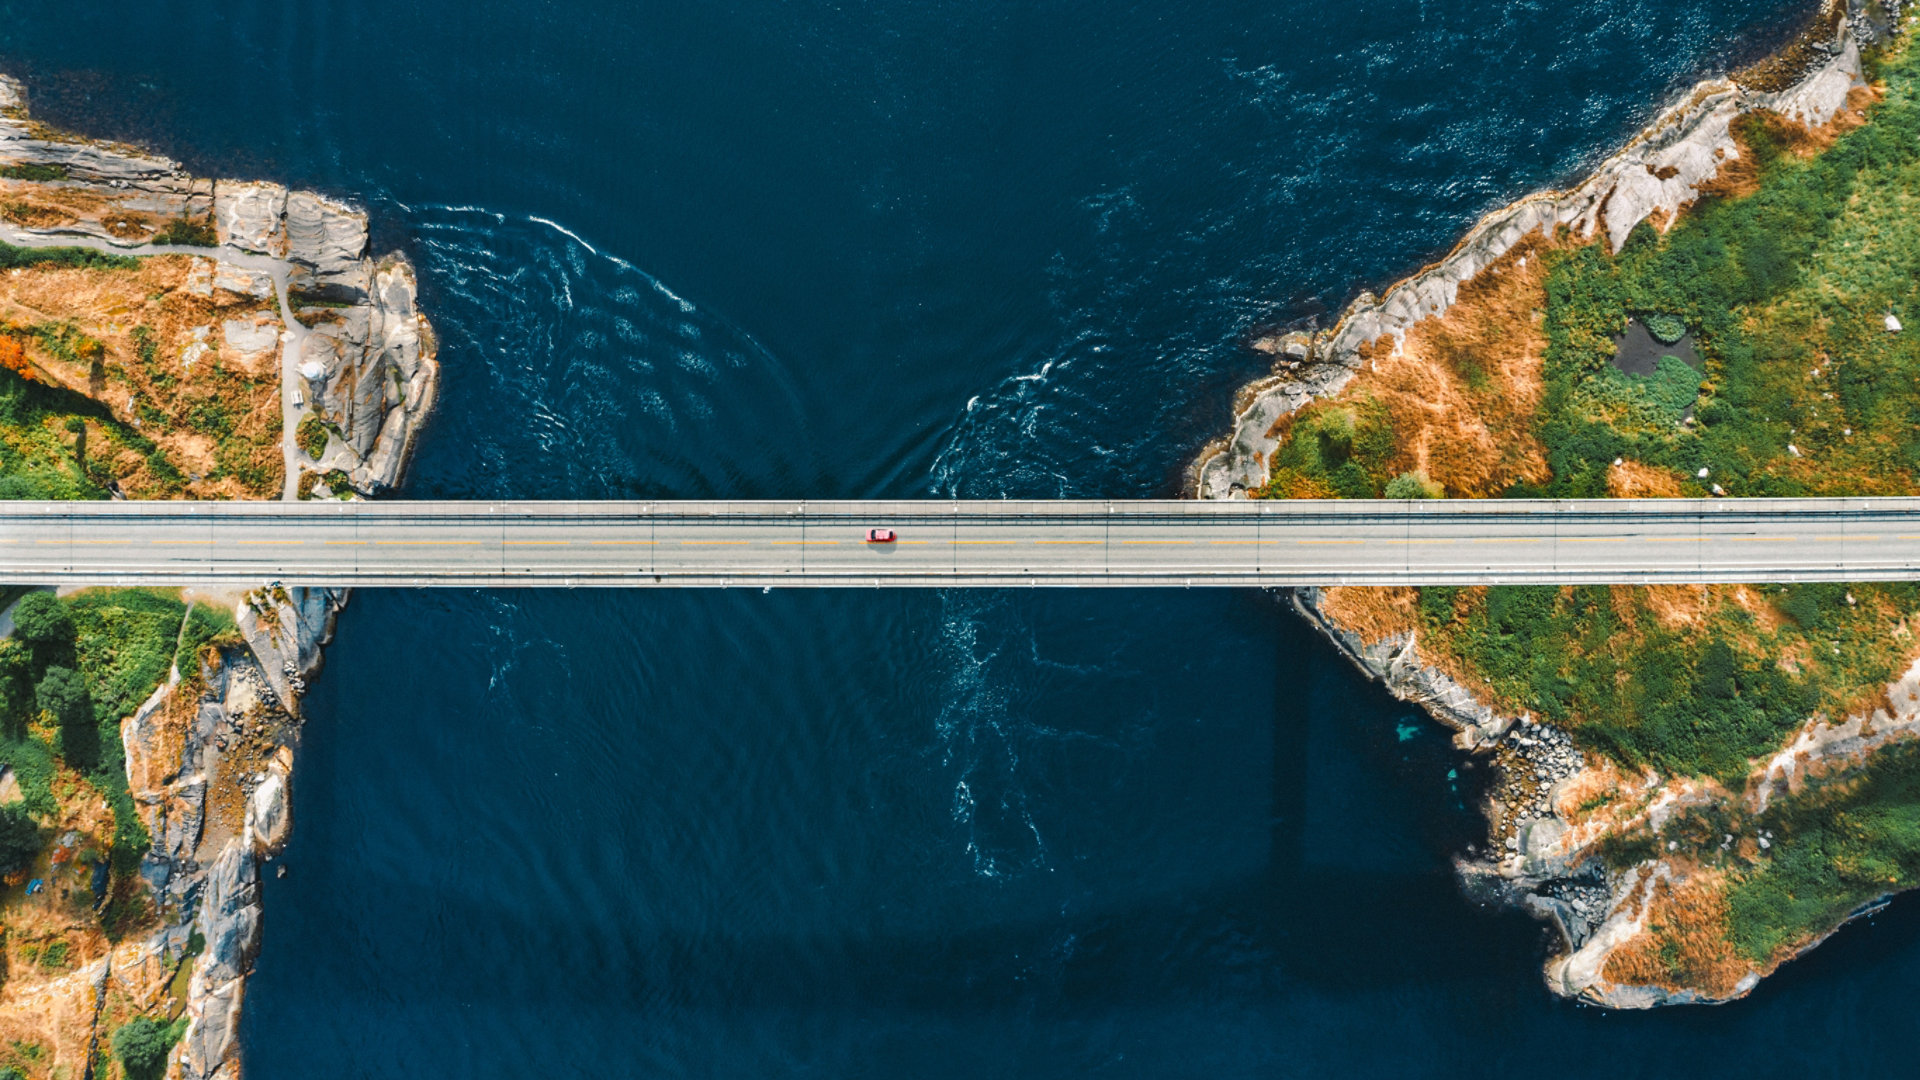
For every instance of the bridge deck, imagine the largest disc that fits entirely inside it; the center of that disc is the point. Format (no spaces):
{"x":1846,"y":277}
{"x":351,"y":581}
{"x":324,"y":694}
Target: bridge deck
{"x":1000,"y":543}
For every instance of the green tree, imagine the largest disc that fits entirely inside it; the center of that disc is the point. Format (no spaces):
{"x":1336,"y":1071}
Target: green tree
{"x":16,"y":687}
{"x":41,"y":620}
{"x":19,"y":839}
{"x":141,"y":1044}
{"x":63,"y":692}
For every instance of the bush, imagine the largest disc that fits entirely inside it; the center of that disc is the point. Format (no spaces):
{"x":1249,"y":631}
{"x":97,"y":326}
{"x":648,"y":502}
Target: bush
{"x":1412,"y":485}
{"x":12,"y":257}
{"x":41,"y":174}
{"x":311,"y":436}
{"x":1672,"y":387}
{"x":1666,"y":329}
{"x":187,"y":232}
{"x":19,"y":838}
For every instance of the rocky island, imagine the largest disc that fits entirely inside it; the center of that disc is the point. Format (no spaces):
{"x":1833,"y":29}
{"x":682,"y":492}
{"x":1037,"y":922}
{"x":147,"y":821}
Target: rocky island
{"x":167,"y":336}
{"x":1697,"y":784}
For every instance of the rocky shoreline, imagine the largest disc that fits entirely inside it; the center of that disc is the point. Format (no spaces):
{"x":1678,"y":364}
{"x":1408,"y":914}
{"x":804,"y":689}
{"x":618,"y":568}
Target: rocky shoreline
{"x":210,"y":754}
{"x":1654,"y":177}
{"x":1544,"y":844}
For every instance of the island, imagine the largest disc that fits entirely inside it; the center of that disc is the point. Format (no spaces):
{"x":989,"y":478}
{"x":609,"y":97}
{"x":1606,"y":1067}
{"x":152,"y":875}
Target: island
{"x":168,"y":337}
{"x":1696,"y":783}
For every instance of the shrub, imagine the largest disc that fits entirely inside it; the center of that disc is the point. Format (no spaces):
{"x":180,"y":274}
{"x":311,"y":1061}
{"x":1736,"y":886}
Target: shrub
{"x":1672,"y":387}
{"x":1666,"y":329}
{"x":1412,"y":485}
{"x":187,"y":232}
{"x":37,"y":173}
{"x":1437,"y":604}
{"x":12,"y":257}
{"x":311,"y":436}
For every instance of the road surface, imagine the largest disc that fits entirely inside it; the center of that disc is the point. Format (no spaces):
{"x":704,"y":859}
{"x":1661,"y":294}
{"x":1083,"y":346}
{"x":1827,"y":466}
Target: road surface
{"x":946,"y":544}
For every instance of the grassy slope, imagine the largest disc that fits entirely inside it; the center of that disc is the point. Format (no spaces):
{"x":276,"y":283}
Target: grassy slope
{"x":126,"y":640}
{"x":1785,"y":289}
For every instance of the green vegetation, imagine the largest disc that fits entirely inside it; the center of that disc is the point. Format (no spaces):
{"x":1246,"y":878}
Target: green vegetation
{"x":142,"y":1043}
{"x":41,"y":174}
{"x":1787,"y":288}
{"x":311,"y":436}
{"x":20,"y":838}
{"x":12,"y":257}
{"x":1334,"y":451}
{"x":77,"y":666}
{"x":1692,"y":699}
{"x":1411,"y":485}
{"x":204,"y":627}
{"x":1835,"y":848}
{"x":186,"y":232}
{"x":1666,"y":329}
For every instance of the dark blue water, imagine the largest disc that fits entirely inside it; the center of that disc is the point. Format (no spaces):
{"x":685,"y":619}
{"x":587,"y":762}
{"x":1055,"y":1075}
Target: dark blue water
{"x":787,"y":247}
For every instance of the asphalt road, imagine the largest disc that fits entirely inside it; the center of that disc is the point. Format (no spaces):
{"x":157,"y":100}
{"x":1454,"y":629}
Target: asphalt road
{"x":1128,"y":543}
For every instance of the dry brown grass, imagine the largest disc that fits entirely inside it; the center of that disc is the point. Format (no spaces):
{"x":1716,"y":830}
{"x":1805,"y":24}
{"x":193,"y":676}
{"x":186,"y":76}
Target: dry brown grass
{"x":1634,"y":480}
{"x":108,"y":305}
{"x":1462,"y":389}
{"x":1375,"y":613}
{"x":1677,"y":606}
{"x":1684,"y":945}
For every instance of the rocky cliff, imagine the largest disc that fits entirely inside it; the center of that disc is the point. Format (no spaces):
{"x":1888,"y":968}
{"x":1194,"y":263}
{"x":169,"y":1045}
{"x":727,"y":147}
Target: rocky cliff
{"x":352,"y":326}
{"x":282,"y":286}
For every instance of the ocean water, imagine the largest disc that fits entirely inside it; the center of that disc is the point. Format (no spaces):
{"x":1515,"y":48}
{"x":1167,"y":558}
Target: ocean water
{"x":800,"y":248}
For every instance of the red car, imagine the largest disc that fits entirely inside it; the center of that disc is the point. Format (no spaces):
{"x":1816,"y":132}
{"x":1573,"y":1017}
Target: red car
{"x":880,"y":536}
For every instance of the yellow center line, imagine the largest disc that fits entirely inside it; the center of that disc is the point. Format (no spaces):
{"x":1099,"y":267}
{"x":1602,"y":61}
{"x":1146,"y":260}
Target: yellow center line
{"x":342,"y":543}
{"x":82,"y":541}
{"x":1509,"y":540}
{"x":624,"y":543}
{"x":536,"y":543}
{"x":808,"y":543}
{"x":1829,"y":538}
{"x":1156,"y":541}
{"x":1593,"y":539}
{"x":270,"y":543}
{"x":709,"y":543}
{"x":984,"y":541}
{"x":1329,"y":541}
{"x":1429,"y":541}
{"x":1676,"y":539}
{"x":1761,"y":539}
{"x":422,"y":543}
{"x":179,"y":541}
{"x":1235,"y":541}
{"x":1090,"y":541}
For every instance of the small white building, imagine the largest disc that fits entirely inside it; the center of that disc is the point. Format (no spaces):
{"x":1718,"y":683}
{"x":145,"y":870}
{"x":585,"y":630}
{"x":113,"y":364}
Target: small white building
{"x":1893,"y":324}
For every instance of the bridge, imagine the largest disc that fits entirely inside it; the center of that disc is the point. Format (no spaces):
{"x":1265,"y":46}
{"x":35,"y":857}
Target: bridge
{"x":1162,"y":543}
